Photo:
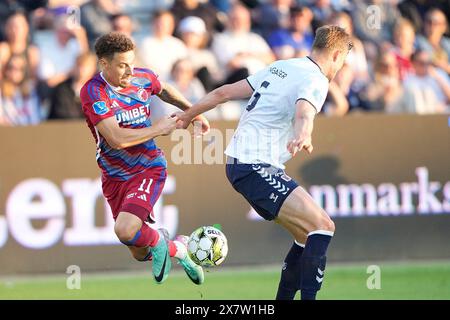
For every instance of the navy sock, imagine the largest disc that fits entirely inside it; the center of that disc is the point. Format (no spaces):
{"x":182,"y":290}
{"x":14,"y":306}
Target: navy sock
{"x":290,"y":273}
{"x":312,"y":263}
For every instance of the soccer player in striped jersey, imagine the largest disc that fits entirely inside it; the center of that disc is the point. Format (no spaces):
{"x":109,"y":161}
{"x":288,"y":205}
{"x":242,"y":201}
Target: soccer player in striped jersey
{"x":277,"y":124}
{"x":117,"y":105}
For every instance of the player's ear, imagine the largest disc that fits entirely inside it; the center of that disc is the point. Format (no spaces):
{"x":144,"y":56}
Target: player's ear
{"x":336,"y":55}
{"x":103,"y":62}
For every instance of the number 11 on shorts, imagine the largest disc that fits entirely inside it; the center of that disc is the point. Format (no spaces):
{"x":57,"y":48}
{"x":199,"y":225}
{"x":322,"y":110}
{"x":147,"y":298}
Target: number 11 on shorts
{"x":147,"y":190}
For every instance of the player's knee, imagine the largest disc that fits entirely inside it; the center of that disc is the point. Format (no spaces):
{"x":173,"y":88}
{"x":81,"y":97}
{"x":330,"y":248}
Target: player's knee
{"x":124,"y":233}
{"x":326,"y":224}
{"x":330,"y":225}
{"x":323,"y":222}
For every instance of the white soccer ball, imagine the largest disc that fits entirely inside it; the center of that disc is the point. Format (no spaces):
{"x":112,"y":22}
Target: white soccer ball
{"x":207,"y":246}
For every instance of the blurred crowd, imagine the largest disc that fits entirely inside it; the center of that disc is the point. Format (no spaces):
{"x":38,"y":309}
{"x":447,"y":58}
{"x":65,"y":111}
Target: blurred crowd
{"x":400,"y":62}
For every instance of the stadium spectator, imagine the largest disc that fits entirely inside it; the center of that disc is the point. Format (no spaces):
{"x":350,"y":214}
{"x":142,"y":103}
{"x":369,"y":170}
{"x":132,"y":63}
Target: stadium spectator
{"x":415,"y":10}
{"x":322,"y":11}
{"x":385,"y":92}
{"x":428,"y":90}
{"x":239,"y":51}
{"x":65,"y":100}
{"x":272,"y":15}
{"x":10,"y":7}
{"x":404,"y":37}
{"x":434,"y":41}
{"x":182,"y":78}
{"x":297,"y":39}
{"x":373,"y":21}
{"x":160,"y":51}
{"x":206,"y":11}
{"x":221,"y":5}
{"x":18,"y":43}
{"x":96,"y":18}
{"x":193,"y":33}
{"x":59,"y":49}
{"x":122,"y":23}
{"x":19,"y":101}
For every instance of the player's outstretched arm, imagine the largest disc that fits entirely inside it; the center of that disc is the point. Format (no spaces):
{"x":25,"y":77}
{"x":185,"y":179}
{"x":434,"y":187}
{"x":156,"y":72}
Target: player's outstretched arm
{"x":171,"y":95}
{"x":119,"y":138}
{"x":237,"y":90}
{"x":303,"y":127}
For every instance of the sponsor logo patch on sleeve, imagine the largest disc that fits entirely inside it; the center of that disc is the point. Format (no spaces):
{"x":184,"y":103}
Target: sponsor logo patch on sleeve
{"x":100,"y":108}
{"x":317,"y":95}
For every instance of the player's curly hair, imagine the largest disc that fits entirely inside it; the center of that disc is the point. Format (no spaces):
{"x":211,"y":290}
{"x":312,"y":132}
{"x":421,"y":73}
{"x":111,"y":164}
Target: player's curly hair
{"x":107,"y":45}
{"x":332,"y":37}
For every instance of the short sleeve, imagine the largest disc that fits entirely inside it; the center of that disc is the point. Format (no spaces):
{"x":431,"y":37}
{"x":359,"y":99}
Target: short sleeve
{"x":315,"y":92}
{"x":155,"y":85}
{"x":95,"y":103}
{"x":256,"y":79}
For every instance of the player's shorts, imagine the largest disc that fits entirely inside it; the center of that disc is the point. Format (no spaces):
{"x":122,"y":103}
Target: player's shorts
{"x":137,"y":195}
{"x":264,"y":186}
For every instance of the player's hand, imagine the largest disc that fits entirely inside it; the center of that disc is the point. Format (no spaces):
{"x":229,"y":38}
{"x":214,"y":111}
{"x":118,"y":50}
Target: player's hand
{"x":184,"y":120}
{"x":297,"y":145}
{"x":201,"y":125}
{"x":166,"y":125}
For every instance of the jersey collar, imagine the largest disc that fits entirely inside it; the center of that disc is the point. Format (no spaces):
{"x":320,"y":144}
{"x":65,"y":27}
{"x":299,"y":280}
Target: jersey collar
{"x":317,"y":65}
{"x":112,"y":87}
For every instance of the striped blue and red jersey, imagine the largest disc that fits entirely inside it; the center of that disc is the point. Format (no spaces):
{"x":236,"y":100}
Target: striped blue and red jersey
{"x":131,"y":107}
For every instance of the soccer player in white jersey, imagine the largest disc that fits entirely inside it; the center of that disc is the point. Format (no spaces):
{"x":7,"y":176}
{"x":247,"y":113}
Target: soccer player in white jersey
{"x":277,"y":124}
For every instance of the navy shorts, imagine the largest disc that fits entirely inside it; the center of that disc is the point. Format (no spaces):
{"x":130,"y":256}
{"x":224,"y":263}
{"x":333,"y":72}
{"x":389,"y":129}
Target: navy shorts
{"x":264,"y":186}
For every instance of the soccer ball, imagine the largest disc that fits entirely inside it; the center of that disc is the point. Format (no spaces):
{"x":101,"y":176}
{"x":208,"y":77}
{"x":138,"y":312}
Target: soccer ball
{"x":207,"y":246}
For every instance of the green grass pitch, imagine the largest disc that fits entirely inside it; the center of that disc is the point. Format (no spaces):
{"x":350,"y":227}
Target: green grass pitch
{"x":398,"y":281}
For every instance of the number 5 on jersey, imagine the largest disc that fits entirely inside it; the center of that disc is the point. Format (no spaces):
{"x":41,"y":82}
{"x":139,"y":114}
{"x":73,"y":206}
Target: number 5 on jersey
{"x":256,"y":96}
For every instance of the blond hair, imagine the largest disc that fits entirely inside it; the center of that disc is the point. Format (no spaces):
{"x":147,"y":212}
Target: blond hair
{"x":330,"y":38}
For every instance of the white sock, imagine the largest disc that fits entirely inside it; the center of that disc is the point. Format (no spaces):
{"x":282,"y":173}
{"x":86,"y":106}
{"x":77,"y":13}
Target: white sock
{"x":181,"y":250}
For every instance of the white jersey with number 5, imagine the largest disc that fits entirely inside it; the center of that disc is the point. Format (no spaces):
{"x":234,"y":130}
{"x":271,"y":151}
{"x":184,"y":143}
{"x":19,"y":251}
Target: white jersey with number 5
{"x":267,"y":124}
